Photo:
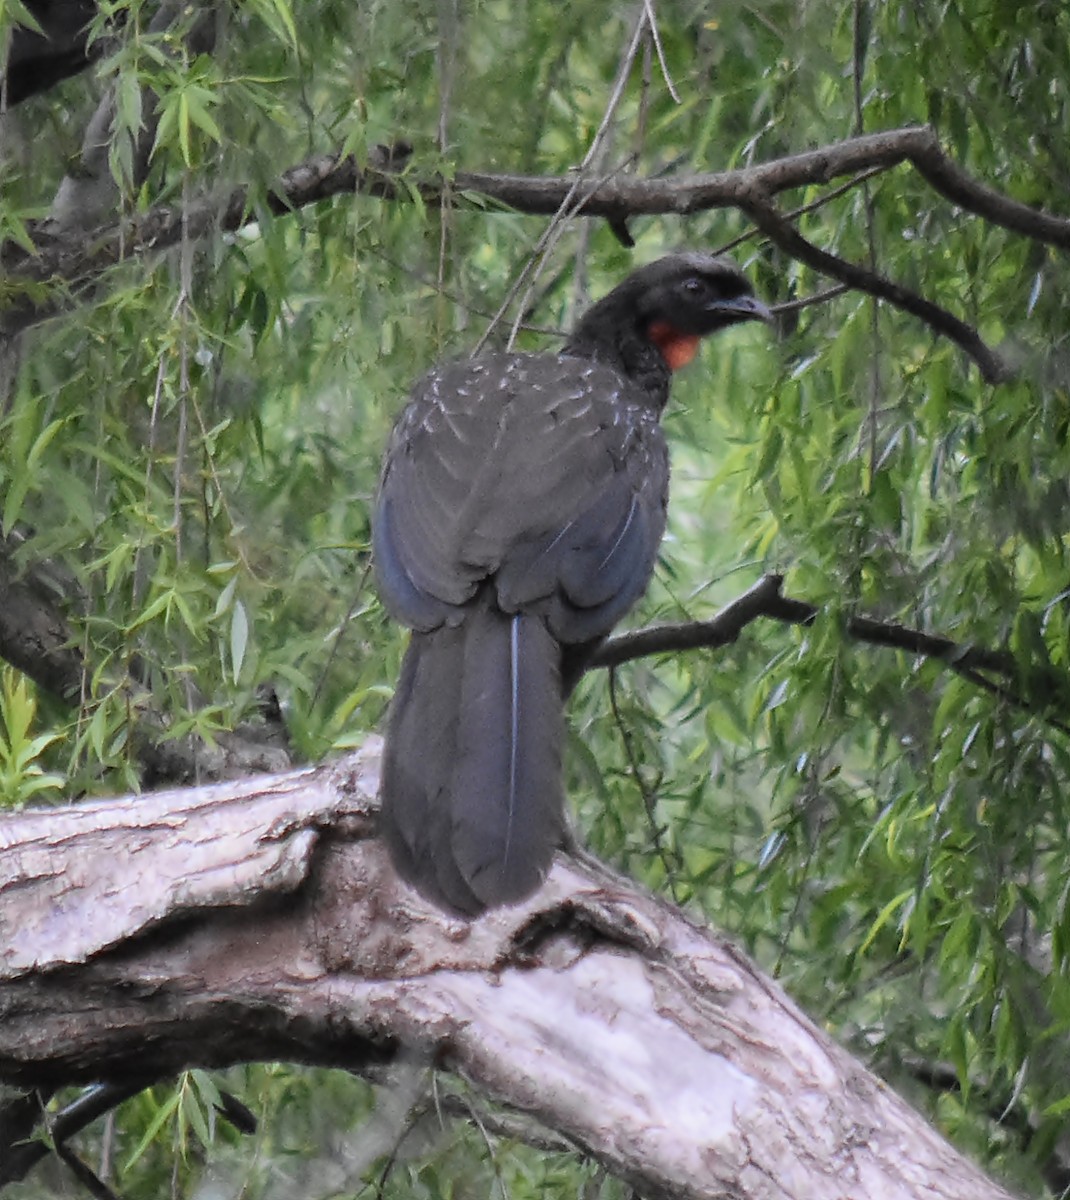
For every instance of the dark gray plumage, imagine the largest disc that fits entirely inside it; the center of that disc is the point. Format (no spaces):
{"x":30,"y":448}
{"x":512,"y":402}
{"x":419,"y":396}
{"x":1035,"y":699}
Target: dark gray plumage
{"x":520,"y":510}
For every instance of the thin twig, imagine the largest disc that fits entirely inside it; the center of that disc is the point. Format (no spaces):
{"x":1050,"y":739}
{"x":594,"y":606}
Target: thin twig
{"x":336,"y":645}
{"x":539,"y":256}
{"x":647,"y":793}
{"x":652,"y":24}
{"x":858,"y":69}
{"x":543,"y":248}
{"x":822,"y":297}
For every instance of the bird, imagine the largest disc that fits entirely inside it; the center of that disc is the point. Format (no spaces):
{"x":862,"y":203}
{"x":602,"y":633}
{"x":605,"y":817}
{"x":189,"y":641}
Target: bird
{"x":521,"y":504}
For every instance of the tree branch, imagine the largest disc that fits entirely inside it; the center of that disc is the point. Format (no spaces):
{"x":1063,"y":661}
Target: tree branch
{"x":765,"y":599}
{"x":89,"y":192}
{"x":720,"y":630}
{"x":261,"y":920}
{"x":34,"y":637}
{"x":1002,"y":1110}
{"x":76,"y":264}
{"x":765,"y":214}
{"x":21,"y":1153}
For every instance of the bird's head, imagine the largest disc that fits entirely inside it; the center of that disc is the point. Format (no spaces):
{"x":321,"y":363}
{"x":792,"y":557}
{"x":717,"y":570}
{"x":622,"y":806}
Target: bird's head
{"x":684,"y":297}
{"x":673,"y":303}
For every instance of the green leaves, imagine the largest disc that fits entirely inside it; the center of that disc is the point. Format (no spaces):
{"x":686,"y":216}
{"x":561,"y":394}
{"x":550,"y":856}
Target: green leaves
{"x":278,"y":16}
{"x":26,"y":449}
{"x":197,"y":446}
{"x":22,"y":776}
{"x":186,"y":107}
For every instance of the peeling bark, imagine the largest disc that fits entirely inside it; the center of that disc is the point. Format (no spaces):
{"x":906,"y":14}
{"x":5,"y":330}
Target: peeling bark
{"x":261,"y":920}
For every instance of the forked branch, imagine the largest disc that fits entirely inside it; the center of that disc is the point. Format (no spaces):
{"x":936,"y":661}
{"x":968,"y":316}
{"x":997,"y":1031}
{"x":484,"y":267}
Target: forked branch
{"x":74,"y":264}
{"x":975,"y":664}
{"x":650,"y":1043}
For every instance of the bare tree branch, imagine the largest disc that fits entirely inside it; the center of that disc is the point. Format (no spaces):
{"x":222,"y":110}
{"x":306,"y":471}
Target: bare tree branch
{"x":35,"y":638}
{"x":274,"y":928}
{"x":20,"y":1154}
{"x":765,"y":599}
{"x":720,"y":630}
{"x":76,"y":263}
{"x":765,"y":214}
{"x":34,"y":635}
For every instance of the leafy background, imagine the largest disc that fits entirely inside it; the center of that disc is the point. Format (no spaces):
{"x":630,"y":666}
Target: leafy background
{"x":197,"y":443}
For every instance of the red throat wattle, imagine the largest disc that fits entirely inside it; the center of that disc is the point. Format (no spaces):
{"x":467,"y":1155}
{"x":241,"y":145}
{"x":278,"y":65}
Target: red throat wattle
{"x":677,"y":348}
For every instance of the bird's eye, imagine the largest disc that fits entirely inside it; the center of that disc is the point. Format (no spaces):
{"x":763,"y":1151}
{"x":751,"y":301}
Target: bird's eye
{"x":694,"y":286}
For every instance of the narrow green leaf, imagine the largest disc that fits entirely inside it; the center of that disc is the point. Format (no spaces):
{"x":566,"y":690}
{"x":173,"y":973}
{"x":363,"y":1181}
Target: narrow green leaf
{"x":883,"y":918}
{"x":239,"y":638}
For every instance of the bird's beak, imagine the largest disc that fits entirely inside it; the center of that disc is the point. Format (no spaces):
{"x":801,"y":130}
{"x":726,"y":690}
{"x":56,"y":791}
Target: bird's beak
{"x":742,"y":308}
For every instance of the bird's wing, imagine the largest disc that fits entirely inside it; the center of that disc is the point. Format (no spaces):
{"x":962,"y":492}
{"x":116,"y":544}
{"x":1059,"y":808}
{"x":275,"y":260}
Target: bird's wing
{"x":541,"y":472}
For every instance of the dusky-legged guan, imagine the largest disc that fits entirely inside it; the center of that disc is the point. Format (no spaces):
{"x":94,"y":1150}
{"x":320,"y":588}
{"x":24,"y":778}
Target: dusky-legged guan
{"x":520,"y":509}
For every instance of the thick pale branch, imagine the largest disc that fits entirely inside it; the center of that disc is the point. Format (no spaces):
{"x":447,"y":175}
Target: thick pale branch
{"x":261,"y":920}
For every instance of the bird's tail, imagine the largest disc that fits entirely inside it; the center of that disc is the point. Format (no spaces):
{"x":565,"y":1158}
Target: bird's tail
{"x":472,"y":805}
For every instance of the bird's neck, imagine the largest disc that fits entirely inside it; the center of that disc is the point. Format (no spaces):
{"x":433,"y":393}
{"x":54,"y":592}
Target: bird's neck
{"x":615,"y":340}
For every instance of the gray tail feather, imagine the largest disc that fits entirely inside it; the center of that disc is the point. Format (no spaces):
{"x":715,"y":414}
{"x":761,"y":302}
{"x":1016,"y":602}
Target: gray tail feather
{"x":472,"y":805}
